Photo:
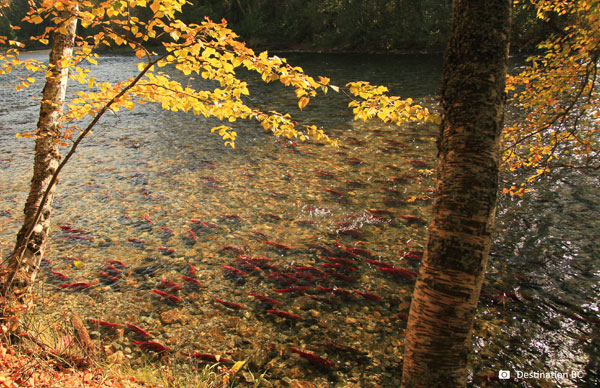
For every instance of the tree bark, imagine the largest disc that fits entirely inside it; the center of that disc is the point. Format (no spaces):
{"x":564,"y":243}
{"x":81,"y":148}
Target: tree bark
{"x":31,"y":239}
{"x":438,"y":338}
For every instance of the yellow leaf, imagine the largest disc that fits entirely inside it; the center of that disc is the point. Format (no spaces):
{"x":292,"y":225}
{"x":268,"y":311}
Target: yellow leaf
{"x":303,"y":102}
{"x":36,"y":19}
{"x":155,"y":6}
{"x":237,"y":366}
{"x":78,"y":264}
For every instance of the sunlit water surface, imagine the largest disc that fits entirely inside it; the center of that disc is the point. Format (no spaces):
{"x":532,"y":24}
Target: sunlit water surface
{"x":157,"y":192}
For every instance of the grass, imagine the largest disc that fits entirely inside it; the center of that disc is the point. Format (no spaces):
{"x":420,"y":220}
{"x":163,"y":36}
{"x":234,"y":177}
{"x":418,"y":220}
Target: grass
{"x":47,"y":346}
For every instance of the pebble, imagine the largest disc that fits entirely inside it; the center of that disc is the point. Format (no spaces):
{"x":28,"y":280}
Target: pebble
{"x":170,"y":316}
{"x":94,"y":334}
{"x":117,"y":358}
{"x":302,"y":384}
{"x":371,"y":326}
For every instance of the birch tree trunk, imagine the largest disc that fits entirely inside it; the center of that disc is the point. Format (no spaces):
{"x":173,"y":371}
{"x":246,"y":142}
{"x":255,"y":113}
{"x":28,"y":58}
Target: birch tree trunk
{"x":31,"y":239}
{"x":444,"y":301}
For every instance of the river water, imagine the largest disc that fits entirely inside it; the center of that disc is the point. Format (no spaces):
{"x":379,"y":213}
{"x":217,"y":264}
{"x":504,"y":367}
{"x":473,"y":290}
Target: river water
{"x":152,"y":192}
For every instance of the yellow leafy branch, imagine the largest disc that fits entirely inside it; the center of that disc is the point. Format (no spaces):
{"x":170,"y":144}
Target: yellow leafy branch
{"x":376,"y":103}
{"x":208,"y":49}
{"x":558,"y":95}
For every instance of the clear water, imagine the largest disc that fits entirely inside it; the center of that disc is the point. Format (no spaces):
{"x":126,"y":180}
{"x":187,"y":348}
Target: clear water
{"x":168,"y":168}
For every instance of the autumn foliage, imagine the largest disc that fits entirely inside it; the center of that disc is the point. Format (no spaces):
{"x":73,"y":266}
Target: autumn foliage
{"x":558,"y":96}
{"x":209,"y":50}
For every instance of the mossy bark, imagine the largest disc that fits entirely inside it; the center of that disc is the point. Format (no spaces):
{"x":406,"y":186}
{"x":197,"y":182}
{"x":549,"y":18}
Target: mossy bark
{"x":31,"y":239}
{"x":438,"y":338}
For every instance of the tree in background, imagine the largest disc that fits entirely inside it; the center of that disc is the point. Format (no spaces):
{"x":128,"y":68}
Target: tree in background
{"x":333,"y":24}
{"x":11,"y":14}
{"x":5,"y":28}
{"x":438,"y":336}
{"x":365,"y":25}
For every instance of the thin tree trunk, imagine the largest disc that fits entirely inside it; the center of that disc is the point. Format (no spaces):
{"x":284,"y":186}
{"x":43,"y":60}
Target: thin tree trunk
{"x":31,"y":239}
{"x":438,"y":338}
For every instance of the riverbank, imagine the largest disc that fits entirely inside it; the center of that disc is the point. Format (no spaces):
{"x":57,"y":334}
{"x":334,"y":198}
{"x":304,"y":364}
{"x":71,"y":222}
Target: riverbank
{"x":36,"y":366}
{"x":20,"y":367}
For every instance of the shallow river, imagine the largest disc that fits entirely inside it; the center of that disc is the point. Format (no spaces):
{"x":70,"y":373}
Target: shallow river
{"x":153,"y":196}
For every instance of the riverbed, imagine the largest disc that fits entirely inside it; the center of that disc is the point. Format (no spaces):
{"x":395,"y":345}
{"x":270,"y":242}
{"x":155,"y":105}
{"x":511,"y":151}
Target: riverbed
{"x":153,"y":199}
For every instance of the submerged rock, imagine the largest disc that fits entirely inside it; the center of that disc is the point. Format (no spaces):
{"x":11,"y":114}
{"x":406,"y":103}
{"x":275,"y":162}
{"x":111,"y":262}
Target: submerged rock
{"x":170,"y":316}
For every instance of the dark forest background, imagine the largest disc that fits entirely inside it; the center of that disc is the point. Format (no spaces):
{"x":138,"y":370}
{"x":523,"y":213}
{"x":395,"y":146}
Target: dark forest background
{"x":329,"y":25}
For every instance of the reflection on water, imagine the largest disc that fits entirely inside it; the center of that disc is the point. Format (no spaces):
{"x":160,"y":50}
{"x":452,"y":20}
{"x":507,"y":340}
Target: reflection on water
{"x":154,"y":203}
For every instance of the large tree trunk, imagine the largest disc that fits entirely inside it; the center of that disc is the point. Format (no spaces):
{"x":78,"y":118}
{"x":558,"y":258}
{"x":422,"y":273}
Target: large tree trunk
{"x":31,"y":239}
{"x":438,"y":337}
